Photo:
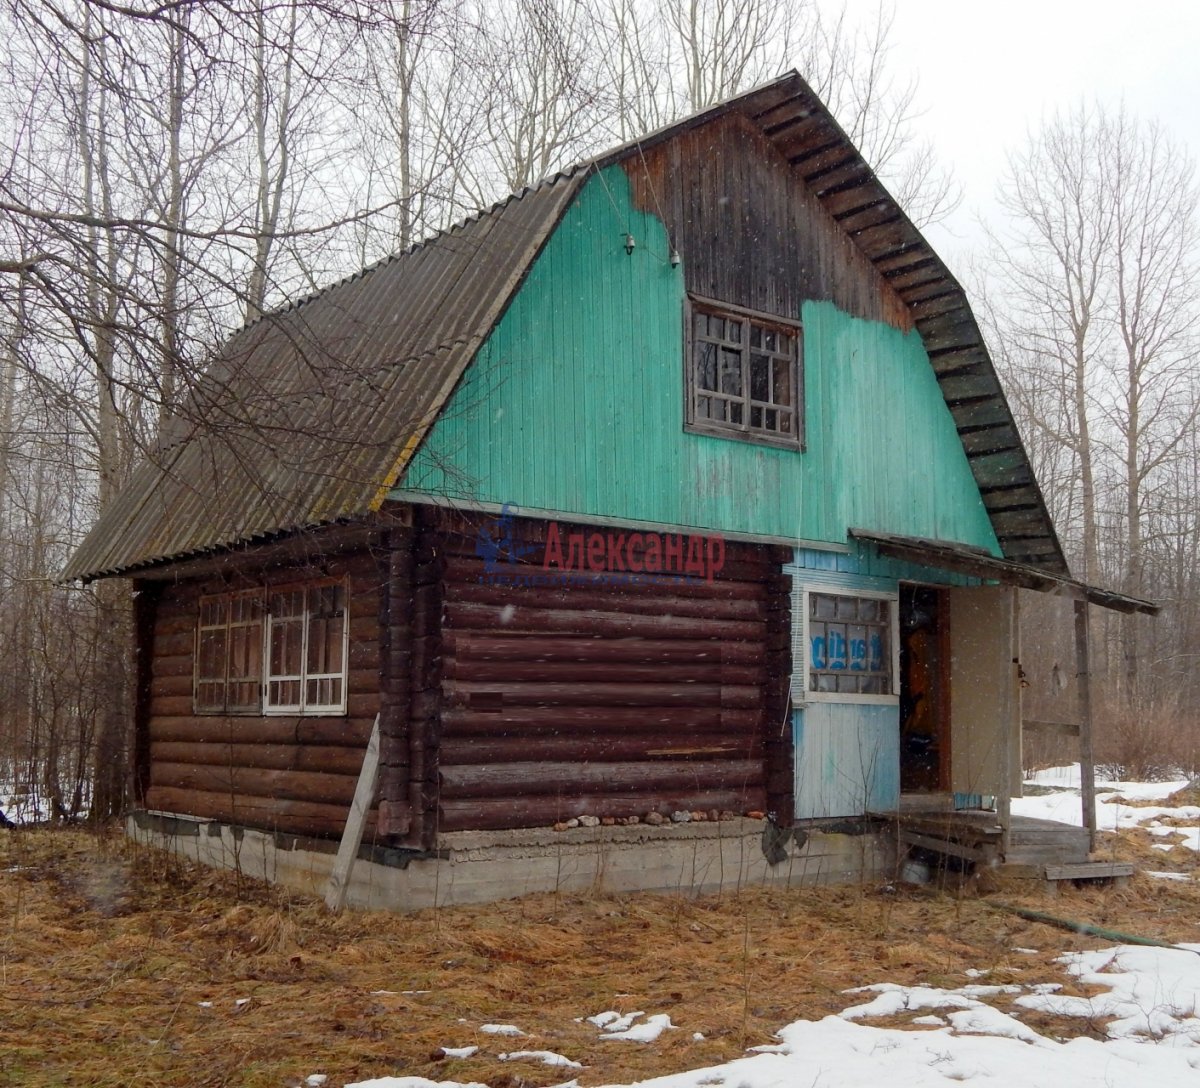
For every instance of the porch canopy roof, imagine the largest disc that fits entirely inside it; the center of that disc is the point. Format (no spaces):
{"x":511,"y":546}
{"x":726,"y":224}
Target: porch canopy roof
{"x":964,"y":559}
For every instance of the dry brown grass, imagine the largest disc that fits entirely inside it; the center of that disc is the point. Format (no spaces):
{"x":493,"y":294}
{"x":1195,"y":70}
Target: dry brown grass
{"x":107,"y":952}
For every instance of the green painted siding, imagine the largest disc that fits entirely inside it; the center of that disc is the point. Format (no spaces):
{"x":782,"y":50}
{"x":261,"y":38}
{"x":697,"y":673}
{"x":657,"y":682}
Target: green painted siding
{"x":576,"y":404}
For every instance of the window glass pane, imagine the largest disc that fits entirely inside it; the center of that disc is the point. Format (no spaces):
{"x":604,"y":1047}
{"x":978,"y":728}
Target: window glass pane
{"x":210,"y":664}
{"x":781,"y":385}
{"x":286,"y":642}
{"x":731,"y":372}
{"x":325,"y":644}
{"x":213,"y":611}
{"x":835,"y":646}
{"x":735,"y":411}
{"x":700,"y":323}
{"x":210,"y":695}
{"x":716,"y":327}
{"x":734,"y":331}
{"x":770,"y":339}
{"x":760,"y":377}
{"x":706,"y":366}
{"x":755,"y":336}
{"x":818,"y":659}
{"x":849,"y":644}
{"x":703,"y":407}
{"x":770,"y":419}
{"x":287,"y":603}
{"x":283,"y":693}
{"x":756,"y":417}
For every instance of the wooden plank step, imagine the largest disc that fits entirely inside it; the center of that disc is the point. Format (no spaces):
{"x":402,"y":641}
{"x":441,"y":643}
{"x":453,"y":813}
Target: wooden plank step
{"x":1042,"y":837}
{"x":940,"y":846}
{"x":1090,"y":870}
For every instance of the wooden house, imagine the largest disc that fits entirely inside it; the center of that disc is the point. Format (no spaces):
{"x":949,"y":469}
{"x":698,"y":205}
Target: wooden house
{"x":680,"y":483}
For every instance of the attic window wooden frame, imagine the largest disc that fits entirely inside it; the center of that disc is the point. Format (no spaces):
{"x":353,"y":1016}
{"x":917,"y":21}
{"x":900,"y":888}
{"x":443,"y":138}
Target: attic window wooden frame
{"x":753,"y":338}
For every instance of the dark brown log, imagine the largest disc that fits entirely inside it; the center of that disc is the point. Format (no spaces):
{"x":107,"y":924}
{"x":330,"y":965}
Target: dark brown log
{"x":695,"y":744}
{"x":170,"y":705}
{"x":492,"y":619}
{"x":180,"y":642}
{"x":571,"y":777}
{"x":328,"y":759}
{"x":600,"y":720}
{"x":331,"y":789}
{"x":171,"y":685}
{"x":251,"y":729}
{"x":533,"y":670}
{"x":485,"y":815}
{"x":750,"y":608}
{"x":464,"y":693}
{"x":268,"y":813}
{"x":363,"y":704}
{"x":503,"y":647}
{"x":174,"y":664}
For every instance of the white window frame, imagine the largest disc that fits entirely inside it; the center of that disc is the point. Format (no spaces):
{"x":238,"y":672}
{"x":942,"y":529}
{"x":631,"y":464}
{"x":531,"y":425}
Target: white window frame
{"x":303,"y":707}
{"x":801,"y":695}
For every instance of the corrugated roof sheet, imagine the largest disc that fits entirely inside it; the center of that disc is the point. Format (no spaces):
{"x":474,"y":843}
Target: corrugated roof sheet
{"x":309,"y":414}
{"x":303,"y":417}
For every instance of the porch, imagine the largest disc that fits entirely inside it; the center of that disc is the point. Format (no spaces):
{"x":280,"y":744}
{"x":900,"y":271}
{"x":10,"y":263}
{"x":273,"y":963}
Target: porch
{"x":1029,"y":847}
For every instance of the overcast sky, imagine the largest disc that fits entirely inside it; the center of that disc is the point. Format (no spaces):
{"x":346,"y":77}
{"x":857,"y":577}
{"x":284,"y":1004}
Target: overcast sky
{"x":989,"y":72}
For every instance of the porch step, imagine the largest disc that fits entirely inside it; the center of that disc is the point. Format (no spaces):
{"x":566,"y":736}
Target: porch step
{"x":1116,"y":871}
{"x":1037,"y":856}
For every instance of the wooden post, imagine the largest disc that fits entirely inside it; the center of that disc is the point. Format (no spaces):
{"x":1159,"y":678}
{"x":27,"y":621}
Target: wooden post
{"x":364,"y":794}
{"x":1087,"y":768}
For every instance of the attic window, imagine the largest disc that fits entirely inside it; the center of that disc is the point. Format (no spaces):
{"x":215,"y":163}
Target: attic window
{"x":744,"y":375}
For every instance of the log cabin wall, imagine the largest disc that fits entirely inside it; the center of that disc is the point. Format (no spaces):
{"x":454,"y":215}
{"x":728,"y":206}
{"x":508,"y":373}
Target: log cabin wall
{"x":293,"y":774}
{"x":749,"y":231}
{"x":590,"y":698}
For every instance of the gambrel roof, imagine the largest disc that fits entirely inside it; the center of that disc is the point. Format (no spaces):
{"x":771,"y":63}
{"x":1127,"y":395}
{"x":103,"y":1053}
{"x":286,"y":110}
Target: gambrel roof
{"x":308,"y":416}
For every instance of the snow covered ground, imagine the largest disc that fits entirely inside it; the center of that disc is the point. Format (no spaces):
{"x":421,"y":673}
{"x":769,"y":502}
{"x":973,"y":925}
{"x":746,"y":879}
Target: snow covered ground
{"x":1149,"y":998}
{"x":1111,"y":815}
{"x":1148,"y":1004}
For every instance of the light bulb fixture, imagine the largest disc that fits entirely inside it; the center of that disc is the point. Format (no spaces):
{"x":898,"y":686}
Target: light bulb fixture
{"x":629,"y":243}
{"x":675,"y":258}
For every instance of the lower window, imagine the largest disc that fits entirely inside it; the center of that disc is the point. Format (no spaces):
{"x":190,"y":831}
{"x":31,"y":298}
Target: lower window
{"x":277,"y":651}
{"x":848,"y":648}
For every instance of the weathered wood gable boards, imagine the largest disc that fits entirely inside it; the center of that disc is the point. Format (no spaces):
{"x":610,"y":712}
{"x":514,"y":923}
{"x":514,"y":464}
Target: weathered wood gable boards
{"x":749,"y":232}
{"x":294,"y":774}
{"x":538,"y":698}
{"x":576,"y":402}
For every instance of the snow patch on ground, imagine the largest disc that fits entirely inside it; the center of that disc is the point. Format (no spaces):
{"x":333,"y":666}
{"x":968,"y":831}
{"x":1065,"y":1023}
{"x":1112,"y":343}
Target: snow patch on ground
{"x":1151,"y":998}
{"x":501,"y":1029}
{"x":547,"y":1057}
{"x":1065,"y":806}
{"x":615,"y":1026}
{"x":1149,"y":993}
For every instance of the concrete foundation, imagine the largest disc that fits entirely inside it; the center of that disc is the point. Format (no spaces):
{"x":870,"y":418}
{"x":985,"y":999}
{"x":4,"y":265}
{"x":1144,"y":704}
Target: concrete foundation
{"x":483,"y":866}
